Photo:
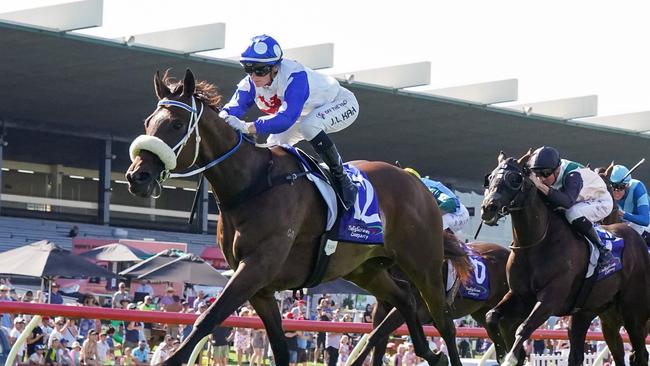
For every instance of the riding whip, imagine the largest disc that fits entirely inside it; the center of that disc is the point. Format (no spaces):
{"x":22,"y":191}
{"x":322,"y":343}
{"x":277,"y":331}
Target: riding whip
{"x":633,"y":168}
{"x":478,"y":230}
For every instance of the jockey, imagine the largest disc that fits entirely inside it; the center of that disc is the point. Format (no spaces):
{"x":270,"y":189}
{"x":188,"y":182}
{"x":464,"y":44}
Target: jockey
{"x":300,"y":104}
{"x":632,"y":198}
{"x":455,"y":215}
{"x":578,"y":190}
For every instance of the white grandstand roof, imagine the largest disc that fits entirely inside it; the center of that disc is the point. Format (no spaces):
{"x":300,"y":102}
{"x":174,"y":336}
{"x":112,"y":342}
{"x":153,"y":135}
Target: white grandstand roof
{"x":389,"y":48}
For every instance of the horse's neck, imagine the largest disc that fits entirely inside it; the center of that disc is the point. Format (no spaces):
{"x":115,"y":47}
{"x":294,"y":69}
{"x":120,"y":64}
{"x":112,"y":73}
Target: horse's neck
{"x":530,"y":225}
{"x":236,"y":173}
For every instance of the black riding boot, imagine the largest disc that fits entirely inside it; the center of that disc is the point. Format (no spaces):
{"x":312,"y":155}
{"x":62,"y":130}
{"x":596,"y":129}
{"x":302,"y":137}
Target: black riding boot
{"x":586,"y":228}
{"x":327,"y":151}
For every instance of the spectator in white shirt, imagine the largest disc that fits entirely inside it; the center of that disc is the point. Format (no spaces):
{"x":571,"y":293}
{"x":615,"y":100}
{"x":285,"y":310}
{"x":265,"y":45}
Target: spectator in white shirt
{"x":19,"y":326}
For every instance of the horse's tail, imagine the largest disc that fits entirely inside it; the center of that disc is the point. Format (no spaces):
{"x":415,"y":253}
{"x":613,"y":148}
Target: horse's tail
{"x":455,"y":253}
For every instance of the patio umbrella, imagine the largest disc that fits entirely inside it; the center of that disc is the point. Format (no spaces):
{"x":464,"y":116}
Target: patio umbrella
{"x":46,"y":259}
{"x":189,"y":269}
{"x":116,"y":252}
{"x":152,"y":262}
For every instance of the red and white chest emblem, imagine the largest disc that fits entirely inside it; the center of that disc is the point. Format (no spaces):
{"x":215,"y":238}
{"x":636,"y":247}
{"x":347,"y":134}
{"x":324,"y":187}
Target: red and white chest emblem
{"x":271,"y":106}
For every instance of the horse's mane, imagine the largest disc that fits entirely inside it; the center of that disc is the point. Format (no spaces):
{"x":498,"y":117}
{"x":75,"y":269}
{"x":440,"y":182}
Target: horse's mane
{"x":206,"y":92}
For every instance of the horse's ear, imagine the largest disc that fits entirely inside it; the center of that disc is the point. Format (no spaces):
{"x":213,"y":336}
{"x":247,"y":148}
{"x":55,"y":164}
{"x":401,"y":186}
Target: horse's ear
{"x":501,"y":157}
{"x":188,"y":84}
{"x":162,"y":90}
{"x":524,"y":159}
{"x":608,"y":171}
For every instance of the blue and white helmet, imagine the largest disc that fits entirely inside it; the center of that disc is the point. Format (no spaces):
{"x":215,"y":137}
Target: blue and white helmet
{"x":263,"y":50}
{"x":618,"y":172}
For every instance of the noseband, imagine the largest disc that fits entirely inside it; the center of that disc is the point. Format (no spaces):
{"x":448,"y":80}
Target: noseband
{"x":169,"y":155}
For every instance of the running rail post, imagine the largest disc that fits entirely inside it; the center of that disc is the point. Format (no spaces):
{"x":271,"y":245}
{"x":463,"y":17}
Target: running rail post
{"x":357,"y":349}
{"x":196,"y":351}
{"x":488,"y":354}
{"x":36,"y":319}
{"x":601,"y":357}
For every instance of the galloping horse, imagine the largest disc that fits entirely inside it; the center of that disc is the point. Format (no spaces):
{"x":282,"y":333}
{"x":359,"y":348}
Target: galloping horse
{"x":494,"y":257}
{"x":270,"y":231}
{"x":547,"y":267}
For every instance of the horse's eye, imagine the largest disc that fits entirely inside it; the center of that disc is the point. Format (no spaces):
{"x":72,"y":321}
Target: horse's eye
{"x":177,"y":125}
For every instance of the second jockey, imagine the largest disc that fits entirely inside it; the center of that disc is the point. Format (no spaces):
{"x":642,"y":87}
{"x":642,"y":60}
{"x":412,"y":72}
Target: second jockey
{"x":578,"y":190}
{"x":300,"y":104}
{"x":455,"y":215}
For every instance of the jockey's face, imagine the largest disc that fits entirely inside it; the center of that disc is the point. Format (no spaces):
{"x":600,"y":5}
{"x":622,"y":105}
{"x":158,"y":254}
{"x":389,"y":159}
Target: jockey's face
{"x":550,"y":180}
{"x":618,"y":191}
{"x":261,"y":81}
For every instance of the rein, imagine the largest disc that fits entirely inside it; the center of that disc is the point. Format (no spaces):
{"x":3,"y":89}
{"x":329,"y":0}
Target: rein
{"x":168,"y":155}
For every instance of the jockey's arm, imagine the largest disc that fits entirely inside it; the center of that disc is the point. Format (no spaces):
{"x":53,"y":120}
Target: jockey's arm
{"x":567,"y":195}
{"x":295,"y":96}
{"x":242,"y":100}
{"x":642,"y":216}
{"x":446,"y":203}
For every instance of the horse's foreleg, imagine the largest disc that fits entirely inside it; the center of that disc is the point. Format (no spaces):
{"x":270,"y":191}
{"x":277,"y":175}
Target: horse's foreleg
{"x":267,"y":309}
{"x":499,"y":343}
{"x":611,"y":325}
{"x":541,"y":312}
{"x":577,"y":333}
{"x":246,"y":281}
{"x":503,"y":320}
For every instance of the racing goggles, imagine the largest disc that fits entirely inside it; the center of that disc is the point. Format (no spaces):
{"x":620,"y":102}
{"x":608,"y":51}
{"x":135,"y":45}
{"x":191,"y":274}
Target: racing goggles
{"x":257,"y":69}
{"x":544,"y":173}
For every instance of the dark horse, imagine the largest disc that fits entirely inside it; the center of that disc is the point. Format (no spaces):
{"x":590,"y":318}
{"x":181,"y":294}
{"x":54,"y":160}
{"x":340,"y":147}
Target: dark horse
{"x":270,"y":231}
{"x":495,"y":257}
{"x":547,"y":267}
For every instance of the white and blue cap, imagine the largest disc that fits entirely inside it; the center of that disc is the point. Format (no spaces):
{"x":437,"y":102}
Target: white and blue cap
{"x":262,"y":49}
{"x":620,"y":175}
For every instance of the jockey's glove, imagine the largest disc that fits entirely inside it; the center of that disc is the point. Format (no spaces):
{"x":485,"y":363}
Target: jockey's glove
{"x":236,"y":123}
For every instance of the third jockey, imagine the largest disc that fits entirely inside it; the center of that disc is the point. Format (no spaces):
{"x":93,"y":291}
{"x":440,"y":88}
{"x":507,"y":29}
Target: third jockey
{"x":578,"y":190}
{"x":300,"y":104}
{"x":632,"y":199}
{"x":455,"y":215}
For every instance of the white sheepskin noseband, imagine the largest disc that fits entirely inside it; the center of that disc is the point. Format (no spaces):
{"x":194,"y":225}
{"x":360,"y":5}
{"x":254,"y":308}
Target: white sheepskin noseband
{"x":156,"y":146}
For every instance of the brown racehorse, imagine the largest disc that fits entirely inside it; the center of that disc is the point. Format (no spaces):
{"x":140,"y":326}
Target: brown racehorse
{"x":547,"y":267}
{"x":495,"y":257}
{"x":270,"y":231}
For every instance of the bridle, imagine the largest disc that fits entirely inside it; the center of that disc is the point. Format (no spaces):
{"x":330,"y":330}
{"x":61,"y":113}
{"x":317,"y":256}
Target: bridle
{"x":169,"y":155}
{"x":518,"y":201}
{"x":513,"y":205}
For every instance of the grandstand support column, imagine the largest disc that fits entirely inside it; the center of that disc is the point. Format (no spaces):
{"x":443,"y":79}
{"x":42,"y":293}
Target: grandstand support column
{"x":104,"y":194}
{"x":202,"y":209}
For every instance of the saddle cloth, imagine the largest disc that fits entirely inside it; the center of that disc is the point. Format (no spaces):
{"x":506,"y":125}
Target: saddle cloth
{"x":613,"y":243}
{"x":362,"y":222}
{"x":478,"y":287}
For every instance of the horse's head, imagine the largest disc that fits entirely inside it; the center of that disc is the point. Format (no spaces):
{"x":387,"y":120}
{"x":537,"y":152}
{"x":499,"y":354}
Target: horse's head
{"x":505,"y":188}
{"x":171,"y":139}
